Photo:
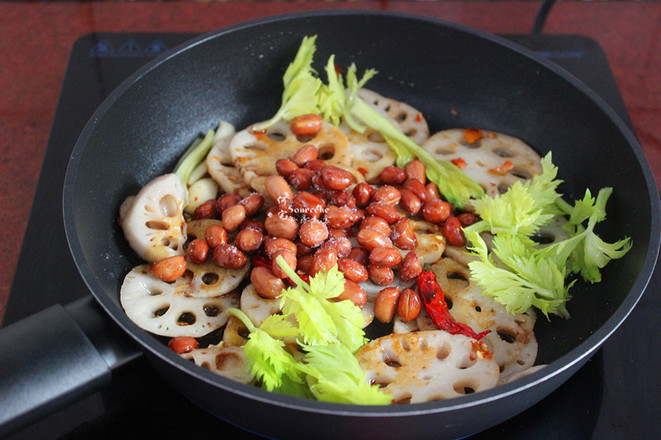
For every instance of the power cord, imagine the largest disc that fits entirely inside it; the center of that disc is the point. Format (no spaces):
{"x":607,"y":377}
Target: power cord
{"x":540,"y":16}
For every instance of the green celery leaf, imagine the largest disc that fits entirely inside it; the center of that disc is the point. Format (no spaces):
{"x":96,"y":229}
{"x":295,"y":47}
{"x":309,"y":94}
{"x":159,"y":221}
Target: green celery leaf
{"x":335,"y":376}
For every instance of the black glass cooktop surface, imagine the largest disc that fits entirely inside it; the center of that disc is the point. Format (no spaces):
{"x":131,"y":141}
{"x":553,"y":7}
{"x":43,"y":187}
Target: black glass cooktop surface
{"x":616,"y":395}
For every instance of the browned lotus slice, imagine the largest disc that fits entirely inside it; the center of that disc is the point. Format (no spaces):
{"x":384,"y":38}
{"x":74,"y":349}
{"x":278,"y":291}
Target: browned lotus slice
{"x":427,"y":365}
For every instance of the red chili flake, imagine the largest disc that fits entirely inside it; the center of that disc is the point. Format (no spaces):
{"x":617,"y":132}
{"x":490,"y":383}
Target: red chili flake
{"x":338,"y":69}
{"x":502,"y":170}
{"x":418,"y":117}
{"x":472,"y":135}
{"x":362,"y":171}
{"x":437,"y":309}
{"x":479,"y":350}
{"x":459,"y":162}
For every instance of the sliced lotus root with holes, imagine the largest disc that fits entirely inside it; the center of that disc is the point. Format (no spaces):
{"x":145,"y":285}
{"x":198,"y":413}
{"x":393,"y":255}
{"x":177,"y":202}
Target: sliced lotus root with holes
{"x":235,"y":332}
{"x":226,"y":360}
{"x":256,"y":307}
{"x":408,"y":119}
{"x":485,"y":158}
{"x":255,"y":153}
{"x":511,"y":340}
{"x":370,"y":151}
{"x":221,"y":167}
{"x":427,"y":366}
{"x":209,"y":280}
{"x":153,"y":220}
{"x":167,"y":309}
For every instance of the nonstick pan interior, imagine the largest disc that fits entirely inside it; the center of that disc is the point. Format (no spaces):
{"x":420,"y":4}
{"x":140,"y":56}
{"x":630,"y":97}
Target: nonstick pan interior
{"x":459,"y":78}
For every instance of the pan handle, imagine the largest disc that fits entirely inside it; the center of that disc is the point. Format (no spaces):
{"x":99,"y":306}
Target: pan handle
{"x":55,"y":357}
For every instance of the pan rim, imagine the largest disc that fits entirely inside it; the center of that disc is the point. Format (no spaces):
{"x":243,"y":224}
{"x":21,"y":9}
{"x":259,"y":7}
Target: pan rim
{"x":555,"y":368}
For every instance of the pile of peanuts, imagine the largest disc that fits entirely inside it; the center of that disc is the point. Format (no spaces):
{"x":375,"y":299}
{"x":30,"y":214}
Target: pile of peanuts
{"x":314,"y":214}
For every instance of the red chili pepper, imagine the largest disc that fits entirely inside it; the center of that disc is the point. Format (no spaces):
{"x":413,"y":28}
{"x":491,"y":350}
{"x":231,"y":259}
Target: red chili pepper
{"x":437,"y":309}
{"x":458,"y":162}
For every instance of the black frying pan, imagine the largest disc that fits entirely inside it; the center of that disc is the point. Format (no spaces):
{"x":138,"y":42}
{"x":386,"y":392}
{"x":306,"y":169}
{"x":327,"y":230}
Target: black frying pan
{"x":459,"y":78}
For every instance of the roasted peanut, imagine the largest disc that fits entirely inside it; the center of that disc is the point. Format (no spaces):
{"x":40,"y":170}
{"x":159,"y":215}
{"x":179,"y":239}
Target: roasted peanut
{"x":233,"y":216}
{"x":274,"y":244}
{"x":339,"y":217}
{"x":197,"y":251}
{"x":306,"y":125}
{"x":410,"y":202}
{"x":467,"y":219}
{"x":323,"y":261}
{"x":265,"y":283}
{"x":253,"y":203}
{"x":315,"y":165}
{"x":300,"y":179}
{"x":411,"y":267}
{"x":343,"y":198}
{"x":336,"y":178}
{"x":360,"y":255}
{"x":403,"y":235}
{"x":432,"y":192}
{"x":169,"y":269}
{"x":341,"y":245}
{"x":452,"y":232}
{"x":383,"y":210}
{"x":436,"y":211}
{"x":285,"y":167}
{"x":302,"y":250}
{"x":313,"y":232}
{"x":228,"y":256}
{"x":377,"y":224}
{"x":416,"y":188}
{"x":362,"y":193}
{"x":385,"y":256}
{"x":352,"y":270}
{"x":290,"y":259}
{"x":408,"y":305}
{"x":371,"y":239}
{"x":253,"y":224}
{"x":305,"y":263}
{"x":182,"y":344}
{"x":416,"y":170}
{"x":278,"y":190}
{"x":386,"y":304}
{"x":205,"y":210}
{"x":249,"y":240}
{"x":308,"y":204}
{"x":387,"y":194}
{"x":305,"y":154}
{"x":283,"y":226}
{"x":215,"y":235}
{"x":227,"y":200}
{"x":392,"y":176}
{"x":354,"y":293}
{"x":380,"y":275}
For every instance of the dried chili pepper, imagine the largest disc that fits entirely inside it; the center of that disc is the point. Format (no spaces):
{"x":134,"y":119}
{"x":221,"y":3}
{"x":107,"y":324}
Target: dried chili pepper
{"x":437,"y":309}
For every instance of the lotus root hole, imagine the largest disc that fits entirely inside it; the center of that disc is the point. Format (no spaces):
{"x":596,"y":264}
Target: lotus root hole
{"x":276,"y":136}
{"x":503,"y":152}
{"x":157,"y":225}
{"x":503,"y":187}
{"x":466,"y":362}
{"x":186,"y":318}
{"x":448,"y":301}
{"x":374,"y":136}
{"x":406,"y":344}
{"x":474,"y":146}
{"x":391,"y":360}
{"x":154,"y":291}
{"x":387,"y":108}
{"x":372,"y":155}
{"x":424,"y":345}
{"x":443,"y":152}
{"x":521,"y":173}
{"x":521,"y":362}
{"x":210,"y":311}
{"x":210,"y":278}
{"x":256,"y":147}
{"x":456,"y":276}
{"x":227,"y":361}
{"x":412,"y":132}
{"x":305,"y":139}
{"x":161,"y":311}
{"x":478,"y":309}
{"x":169,"y":206}
{"x":326,"y":151}
{"x":443,"y":351}
{"x":506,"y":335}
{"x":401,"y":116}
{"x":464,"y":387}
{"x":205,"y":365}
